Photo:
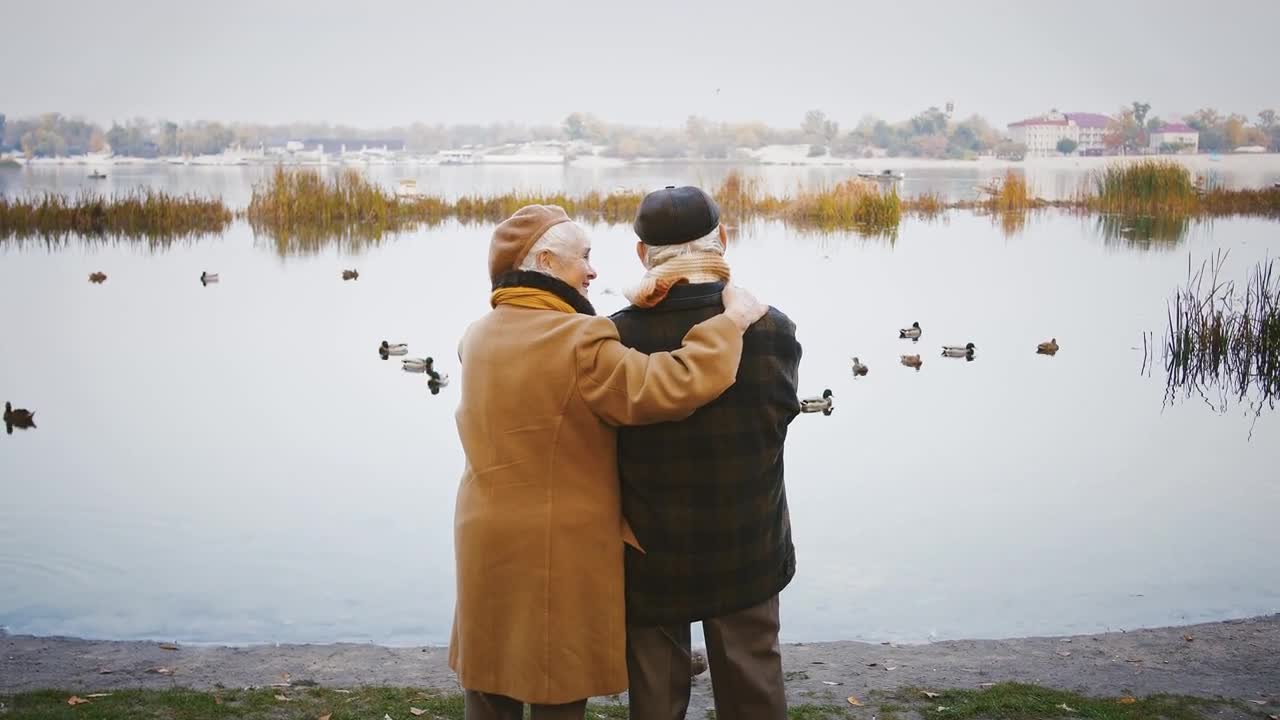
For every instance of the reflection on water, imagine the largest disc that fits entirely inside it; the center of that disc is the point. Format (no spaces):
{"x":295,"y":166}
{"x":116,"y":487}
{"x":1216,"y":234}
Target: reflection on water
{"x":233,"y":464}
{"x":1144,"y":231}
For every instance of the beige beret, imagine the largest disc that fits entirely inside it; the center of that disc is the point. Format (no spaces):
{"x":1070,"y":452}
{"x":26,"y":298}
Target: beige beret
{"x":513,"y":238}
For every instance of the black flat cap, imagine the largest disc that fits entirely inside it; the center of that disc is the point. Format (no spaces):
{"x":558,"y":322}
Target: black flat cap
{"x":676,"y":215}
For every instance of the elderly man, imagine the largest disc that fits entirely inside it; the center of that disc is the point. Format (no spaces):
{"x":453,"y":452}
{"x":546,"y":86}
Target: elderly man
{"x":705,"y":495}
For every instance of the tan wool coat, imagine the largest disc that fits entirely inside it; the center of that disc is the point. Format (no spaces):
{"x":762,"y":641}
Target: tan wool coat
{"x":538,"y":526}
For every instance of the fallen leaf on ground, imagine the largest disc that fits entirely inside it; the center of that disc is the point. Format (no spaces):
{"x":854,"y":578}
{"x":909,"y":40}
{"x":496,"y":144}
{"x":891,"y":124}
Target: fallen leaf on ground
{"x":854,"y":701}
{"x":943,"y":708}
{"x":105,"y":671}
{"x":386,"y":716}
{"x":168,"y":646}
{"x":1065,"y":640}
{"x":872,"y":664}
{"x":1068,"y":708}
{"x":1127,"y":700}
{"x":1064,"y":653}
{"x":986,"y":685}
{"x":417,"y":711}
{"x":1273,"y":717}
{"x":344,"y":692}
{"x":890,"y":667}
{"x":282,"y":698}
{"x":98,"y":695}
{"x":76,"y":700}
{"x":1133,"y":660}
{"x":1188,"y":637}
{"x":930,"y":695}
{"x":160,"y":671}
{"x":325,"y":716}
{"x":217,"y":700}
{"x":1258,"y":702}
{"x":828,"y":682}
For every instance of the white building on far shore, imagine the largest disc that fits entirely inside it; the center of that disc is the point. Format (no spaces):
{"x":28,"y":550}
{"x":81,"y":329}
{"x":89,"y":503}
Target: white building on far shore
{"x":1179,"y":135}
{"x":1042,"y":134}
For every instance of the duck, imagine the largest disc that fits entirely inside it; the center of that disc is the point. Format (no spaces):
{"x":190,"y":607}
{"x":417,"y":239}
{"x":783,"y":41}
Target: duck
{"x":912,"y":361}
{"x":97,"y":277}
{"x":438,"y":379}
{"x":858,"y":367}
{"x":1048,"y":348}
{"x":822,"y":404}
{"x":419,"y":365}
{"x":957,"y":351}
{"x":912,"y":332}
{"x":208,"y":277}
{"x":350,"y":274}
{"x":387,"y":348}
{"x":20,"y":417}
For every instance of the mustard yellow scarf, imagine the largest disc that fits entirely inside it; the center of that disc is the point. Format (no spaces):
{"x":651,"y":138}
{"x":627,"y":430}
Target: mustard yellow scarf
{"x":527,"y":297}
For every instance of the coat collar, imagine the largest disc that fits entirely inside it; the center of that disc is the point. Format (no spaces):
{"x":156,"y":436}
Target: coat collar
{"x":542,"y":281}
{"x":686,"y":296}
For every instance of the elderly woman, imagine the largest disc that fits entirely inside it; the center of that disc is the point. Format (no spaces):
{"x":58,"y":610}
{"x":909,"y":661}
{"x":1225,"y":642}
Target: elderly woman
{"x":538,"y":526}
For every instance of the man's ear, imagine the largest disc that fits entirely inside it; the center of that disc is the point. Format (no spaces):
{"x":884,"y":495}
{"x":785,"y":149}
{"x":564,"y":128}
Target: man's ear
{"x":640,"y":252}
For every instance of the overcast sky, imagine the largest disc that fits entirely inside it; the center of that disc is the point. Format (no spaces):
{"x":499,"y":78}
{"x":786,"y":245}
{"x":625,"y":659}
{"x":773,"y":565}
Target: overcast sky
{"x":646,"y":62}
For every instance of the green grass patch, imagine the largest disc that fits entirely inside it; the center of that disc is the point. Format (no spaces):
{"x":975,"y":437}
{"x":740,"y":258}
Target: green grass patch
{"x":1147,"y":187}
{"x":1016,"y":701}
{"x":1006,"y":701}
{"x":368,"y":703}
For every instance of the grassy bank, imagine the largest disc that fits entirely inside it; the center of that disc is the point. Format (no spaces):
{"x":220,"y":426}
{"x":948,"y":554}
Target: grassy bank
{"x":303,"y":210}
{"x":1006,"y":700}
{"x":1164,"y":188}
{"x":139,"y":214}
{"x":303,"y":203}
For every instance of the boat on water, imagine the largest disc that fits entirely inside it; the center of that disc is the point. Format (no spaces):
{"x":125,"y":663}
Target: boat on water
{"x":883,"y":175}
{"x":457,"y":157}
{"x":97,"y":175}
{"x":408,"y":188}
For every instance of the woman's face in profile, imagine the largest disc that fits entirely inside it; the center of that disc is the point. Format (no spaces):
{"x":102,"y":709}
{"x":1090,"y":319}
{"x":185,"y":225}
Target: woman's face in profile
{"x":573,"y":263}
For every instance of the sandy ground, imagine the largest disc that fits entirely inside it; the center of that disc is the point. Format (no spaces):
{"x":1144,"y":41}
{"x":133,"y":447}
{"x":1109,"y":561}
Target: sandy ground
{"x":1237,"y":659}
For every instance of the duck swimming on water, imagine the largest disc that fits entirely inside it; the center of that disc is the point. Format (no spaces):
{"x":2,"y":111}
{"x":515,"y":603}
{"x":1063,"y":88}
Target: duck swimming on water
{"x":17,"y":418}
{"x":957,"y":351}
{"x":824,"y":404}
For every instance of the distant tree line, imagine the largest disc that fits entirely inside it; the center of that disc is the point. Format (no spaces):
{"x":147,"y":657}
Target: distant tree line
{"x":931,"y":133}
{"x":1131,"y":128}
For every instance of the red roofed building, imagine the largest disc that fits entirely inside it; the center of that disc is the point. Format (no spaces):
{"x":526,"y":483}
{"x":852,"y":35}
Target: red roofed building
{"x":1042,"y":134}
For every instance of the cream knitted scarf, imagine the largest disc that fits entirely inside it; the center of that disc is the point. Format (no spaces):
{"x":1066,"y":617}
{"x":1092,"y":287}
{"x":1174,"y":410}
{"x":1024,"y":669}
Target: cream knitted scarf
{"x":657,"y":282}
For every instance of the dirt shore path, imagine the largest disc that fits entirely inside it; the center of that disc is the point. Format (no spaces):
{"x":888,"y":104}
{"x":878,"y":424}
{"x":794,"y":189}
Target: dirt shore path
{"x":1237,"y":659}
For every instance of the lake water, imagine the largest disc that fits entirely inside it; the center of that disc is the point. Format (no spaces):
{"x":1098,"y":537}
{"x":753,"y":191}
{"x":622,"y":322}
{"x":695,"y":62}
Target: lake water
{"x":235,"y":463}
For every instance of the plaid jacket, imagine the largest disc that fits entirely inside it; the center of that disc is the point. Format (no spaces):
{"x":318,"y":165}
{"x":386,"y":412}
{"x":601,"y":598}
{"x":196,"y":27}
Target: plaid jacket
{"x":705,"y":495}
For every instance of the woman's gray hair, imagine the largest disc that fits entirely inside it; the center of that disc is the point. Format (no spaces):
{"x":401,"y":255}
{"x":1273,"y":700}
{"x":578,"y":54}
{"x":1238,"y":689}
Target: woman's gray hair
{"x":557,"y":239}
{"x":655,"y":255}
